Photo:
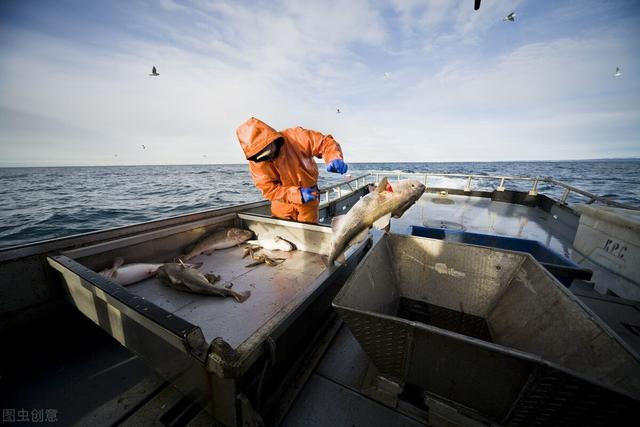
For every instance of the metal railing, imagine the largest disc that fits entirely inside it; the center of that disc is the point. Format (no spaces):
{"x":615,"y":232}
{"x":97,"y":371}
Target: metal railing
{"x":338,"y":190}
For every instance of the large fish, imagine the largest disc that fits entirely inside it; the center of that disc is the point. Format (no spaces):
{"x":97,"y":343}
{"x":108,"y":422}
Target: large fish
{"x":275,"y":244}
{"x":126,"y":274}
{"x":373,"y":210}
{"x":221,"y":239}
{"x":184,"y":278}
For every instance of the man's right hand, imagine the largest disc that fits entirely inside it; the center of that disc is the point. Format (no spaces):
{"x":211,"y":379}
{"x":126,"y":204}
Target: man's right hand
{"x":308,"y":194}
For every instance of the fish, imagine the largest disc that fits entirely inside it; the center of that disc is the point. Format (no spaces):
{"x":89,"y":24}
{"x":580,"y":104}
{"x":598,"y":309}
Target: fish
{"x":275,"y":244}
{"x":263,"y":259}
{"x":372,"y":210}
{"x":181,"y":277}
{"x":221,"y":239}
{"x":127,"y":274}
{"x":130,"y":273}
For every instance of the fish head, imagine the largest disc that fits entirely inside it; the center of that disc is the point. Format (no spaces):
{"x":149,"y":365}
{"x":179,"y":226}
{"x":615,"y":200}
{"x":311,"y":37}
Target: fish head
{"x":405,"y":193}
{"x":240,"y":235}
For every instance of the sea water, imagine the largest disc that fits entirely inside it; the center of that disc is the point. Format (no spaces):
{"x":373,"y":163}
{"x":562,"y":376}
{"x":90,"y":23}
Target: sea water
{"x":49,"y":202}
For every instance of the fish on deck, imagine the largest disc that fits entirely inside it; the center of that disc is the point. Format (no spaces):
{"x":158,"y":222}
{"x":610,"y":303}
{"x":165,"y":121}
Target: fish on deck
{"x":275,"y":244}
{"x":181,"y":277}
{"x":221,"y":239}
{"x":128,"y":274}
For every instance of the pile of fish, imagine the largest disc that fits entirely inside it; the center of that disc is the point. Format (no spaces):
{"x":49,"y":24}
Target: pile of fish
{"x":182,"y":276}
{"x":373,"y":210}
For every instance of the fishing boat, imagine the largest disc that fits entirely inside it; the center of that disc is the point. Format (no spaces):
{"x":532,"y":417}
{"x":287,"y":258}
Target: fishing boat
{"x":482,"y":305}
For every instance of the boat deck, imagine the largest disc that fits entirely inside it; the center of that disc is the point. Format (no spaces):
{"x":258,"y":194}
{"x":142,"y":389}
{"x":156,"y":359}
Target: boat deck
{"x":89,"y":378}
{"x":483,"y":215}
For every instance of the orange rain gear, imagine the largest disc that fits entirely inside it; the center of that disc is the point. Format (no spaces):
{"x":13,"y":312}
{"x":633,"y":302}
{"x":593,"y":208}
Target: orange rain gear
{"x":280,"y":179}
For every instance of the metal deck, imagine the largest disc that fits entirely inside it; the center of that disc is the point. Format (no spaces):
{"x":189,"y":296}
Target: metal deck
{"x":272,"y":288}
{"x":483,"y":215}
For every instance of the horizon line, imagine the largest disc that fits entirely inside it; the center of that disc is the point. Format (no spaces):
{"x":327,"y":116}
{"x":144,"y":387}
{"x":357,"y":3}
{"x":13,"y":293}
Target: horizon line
{"x":403,"y":162}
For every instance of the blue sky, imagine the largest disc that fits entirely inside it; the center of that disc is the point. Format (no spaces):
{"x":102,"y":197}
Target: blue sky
{"x":414,"y":80}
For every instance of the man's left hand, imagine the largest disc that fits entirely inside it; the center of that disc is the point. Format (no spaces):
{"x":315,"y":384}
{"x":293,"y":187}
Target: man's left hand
{"x":337,"y":166}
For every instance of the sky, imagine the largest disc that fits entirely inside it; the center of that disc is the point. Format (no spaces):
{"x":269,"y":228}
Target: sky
{"x":418,"y":81}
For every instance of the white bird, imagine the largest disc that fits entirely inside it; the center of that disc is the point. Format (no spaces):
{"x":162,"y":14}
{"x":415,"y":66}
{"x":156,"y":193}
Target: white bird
{"x":618,"y":72}
{"x":510,"y":17}
{"x":154,"y":72}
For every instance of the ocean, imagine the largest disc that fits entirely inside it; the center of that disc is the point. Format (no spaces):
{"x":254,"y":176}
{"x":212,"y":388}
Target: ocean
{"x":49,"y":202}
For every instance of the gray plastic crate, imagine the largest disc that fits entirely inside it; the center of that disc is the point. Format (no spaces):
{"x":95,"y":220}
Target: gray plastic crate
{"x":488,"y":330}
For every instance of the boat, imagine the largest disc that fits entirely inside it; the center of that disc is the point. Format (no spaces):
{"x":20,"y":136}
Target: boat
{"x":338,"y":346}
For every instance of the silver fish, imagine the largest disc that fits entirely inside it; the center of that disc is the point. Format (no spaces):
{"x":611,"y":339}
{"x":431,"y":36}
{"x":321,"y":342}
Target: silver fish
{"x":130,"y":273}
{"x":275,"y":244}
{"x":375,"y":209}
{"x":183,"y":278}
{"x":221,"y":239}
{"x":127,"y":274}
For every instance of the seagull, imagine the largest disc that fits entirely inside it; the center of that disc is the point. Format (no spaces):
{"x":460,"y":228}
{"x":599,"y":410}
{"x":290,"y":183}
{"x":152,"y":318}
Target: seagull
{"x":143,"y":147}
{"x":387,"y":75}
{"x":618,"y":72}
{"x":510,"y":17}
{"x":154,"y":72}
{"x":337,"y":111}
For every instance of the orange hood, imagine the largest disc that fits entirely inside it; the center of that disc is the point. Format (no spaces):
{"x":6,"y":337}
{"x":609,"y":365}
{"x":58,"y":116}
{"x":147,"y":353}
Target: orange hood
{"x":254,"y":135}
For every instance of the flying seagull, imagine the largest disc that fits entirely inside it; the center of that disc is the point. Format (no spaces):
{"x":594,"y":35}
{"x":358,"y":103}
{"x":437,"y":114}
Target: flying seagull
{"x":143,"y":147}
{"x":510,"y":17}
{"x":337,"y":111}
{"x":154,"y":72}
{"x":618,"y":72}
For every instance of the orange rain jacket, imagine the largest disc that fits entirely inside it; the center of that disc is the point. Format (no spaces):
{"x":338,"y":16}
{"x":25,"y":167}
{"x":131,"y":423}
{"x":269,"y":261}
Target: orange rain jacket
{"x":280,"y":179}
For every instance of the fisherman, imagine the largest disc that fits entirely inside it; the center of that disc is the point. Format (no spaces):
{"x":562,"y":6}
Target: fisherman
{"x":282,"y":166}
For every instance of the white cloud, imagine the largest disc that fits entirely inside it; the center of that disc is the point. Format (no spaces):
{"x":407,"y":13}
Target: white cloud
{"x":292,"y":64}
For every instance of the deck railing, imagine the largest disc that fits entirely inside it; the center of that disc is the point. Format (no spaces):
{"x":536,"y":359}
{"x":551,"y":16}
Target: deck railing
{"x":338,"y":190}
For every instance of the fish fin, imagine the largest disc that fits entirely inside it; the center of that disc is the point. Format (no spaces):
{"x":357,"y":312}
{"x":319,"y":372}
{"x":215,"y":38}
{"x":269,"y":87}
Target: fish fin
{"x":241,"y":296}
{"x":212,"y":278}
{"x":118,"y":262}
{"x":382,"y":222}
{"x":382,"y":186}
{"x":336,"y":221}
{"x":341,"y":260}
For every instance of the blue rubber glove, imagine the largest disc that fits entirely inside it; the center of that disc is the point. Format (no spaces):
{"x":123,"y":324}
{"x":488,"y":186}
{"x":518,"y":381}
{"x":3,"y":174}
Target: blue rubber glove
{"x":308,"y":194}
{"x":337,"y":166}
